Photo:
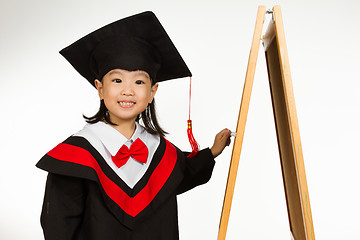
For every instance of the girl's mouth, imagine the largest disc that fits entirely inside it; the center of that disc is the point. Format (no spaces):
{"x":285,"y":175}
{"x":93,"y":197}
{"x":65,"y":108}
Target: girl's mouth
{"x":126,"y":104}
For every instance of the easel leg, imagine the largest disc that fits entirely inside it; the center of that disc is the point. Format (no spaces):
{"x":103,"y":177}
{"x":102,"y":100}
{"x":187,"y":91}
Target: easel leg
{"x":245,"y":101}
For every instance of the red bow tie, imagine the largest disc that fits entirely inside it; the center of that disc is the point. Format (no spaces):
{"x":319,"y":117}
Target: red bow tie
{"x":138,"y":151}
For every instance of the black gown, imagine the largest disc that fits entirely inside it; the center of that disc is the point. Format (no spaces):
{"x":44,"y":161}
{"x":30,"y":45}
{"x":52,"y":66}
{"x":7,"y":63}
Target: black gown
{"x":85,"y":198}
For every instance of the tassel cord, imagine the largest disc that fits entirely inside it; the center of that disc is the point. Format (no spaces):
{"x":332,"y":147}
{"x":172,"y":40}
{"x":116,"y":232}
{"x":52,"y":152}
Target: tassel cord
{"x":194,"y":145}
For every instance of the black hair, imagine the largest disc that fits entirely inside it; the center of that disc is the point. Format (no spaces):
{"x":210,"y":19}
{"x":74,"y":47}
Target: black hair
{"x":148,"y":118}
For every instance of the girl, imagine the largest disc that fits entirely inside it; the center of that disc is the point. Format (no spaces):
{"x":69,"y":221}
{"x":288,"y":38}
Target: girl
{"x":116,"y":178}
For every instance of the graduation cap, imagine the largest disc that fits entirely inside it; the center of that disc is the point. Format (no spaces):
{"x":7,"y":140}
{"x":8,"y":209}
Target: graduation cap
{"x":138,"y":42}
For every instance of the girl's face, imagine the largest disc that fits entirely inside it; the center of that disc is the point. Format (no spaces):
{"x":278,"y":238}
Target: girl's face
{"x":126,"y":94}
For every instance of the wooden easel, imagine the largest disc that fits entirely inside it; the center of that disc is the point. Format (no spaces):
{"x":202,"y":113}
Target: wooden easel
{"x":287,"y":129}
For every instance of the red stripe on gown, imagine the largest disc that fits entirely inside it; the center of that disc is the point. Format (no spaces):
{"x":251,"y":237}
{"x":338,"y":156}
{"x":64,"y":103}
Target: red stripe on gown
{"x":131,"y":205}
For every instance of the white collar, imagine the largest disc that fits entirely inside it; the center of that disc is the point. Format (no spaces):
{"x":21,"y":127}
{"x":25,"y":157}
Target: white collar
{"x":107,"y":141}
{"x":113,"y":139}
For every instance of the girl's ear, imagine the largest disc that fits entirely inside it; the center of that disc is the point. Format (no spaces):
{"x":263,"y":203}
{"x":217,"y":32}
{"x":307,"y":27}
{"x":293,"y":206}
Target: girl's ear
{"x":99,"y":87}
{"x":153,"y":91}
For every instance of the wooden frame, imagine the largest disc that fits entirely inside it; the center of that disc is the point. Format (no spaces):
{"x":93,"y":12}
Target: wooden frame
{"x":287,"y":129}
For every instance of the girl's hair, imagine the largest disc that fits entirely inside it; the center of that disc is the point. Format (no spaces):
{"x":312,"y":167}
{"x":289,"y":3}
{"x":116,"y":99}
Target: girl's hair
{"x":148,"y":117}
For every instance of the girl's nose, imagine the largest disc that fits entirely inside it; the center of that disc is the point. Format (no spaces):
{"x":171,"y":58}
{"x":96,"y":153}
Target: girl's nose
{"x":127,"y":91}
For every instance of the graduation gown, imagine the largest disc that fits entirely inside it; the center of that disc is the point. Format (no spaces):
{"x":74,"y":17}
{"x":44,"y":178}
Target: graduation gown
{"x":86,"y":199}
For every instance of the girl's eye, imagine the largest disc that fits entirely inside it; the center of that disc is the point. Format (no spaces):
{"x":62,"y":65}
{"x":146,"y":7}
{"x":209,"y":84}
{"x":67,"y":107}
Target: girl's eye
{"x":139,"y":82}
{"x":117,"y":80}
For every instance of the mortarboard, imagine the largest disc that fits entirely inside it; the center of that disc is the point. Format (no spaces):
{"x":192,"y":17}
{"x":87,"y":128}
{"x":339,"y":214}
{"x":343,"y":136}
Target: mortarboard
{"x":138,"y":42}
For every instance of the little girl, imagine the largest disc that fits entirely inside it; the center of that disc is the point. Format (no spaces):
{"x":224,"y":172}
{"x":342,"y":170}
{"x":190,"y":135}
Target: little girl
{"x":117,"y":178}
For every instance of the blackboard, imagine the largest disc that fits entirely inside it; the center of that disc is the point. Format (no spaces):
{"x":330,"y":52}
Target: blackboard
{"x":286,"y":123}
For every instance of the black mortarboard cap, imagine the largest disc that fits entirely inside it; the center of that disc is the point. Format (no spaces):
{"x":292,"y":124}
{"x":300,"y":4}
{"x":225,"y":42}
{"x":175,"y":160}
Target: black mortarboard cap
{"x":138,"y":42}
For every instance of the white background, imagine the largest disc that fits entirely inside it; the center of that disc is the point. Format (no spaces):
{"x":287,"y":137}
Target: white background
{"x":42,"y":99}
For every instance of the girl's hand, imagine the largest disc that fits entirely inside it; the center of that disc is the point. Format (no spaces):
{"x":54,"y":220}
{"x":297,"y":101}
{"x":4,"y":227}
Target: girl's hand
{"x":222,"y":139}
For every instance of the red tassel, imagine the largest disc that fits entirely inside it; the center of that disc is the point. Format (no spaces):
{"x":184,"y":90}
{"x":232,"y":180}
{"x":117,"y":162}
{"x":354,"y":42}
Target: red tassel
{"x":194,"y":145}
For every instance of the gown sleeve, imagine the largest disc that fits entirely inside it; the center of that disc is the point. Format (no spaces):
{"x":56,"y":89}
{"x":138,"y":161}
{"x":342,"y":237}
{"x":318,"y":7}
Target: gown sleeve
{"x":63,"y":207}
{"x":197,"y":170}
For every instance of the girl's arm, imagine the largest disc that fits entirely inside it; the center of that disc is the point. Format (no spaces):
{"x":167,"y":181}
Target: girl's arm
{"x":198,"y":169}
{"x":63,"y":207}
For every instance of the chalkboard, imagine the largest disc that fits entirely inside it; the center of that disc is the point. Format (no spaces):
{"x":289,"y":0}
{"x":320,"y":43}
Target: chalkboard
{"x":287,"y":128}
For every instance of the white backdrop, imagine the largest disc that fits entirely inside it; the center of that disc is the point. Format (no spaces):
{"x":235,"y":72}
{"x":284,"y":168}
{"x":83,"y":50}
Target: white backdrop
{"x":42,"y":100}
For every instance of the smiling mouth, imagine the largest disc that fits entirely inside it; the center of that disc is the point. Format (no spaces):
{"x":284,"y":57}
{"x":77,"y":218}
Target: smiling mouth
{"x":126,"y":104}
